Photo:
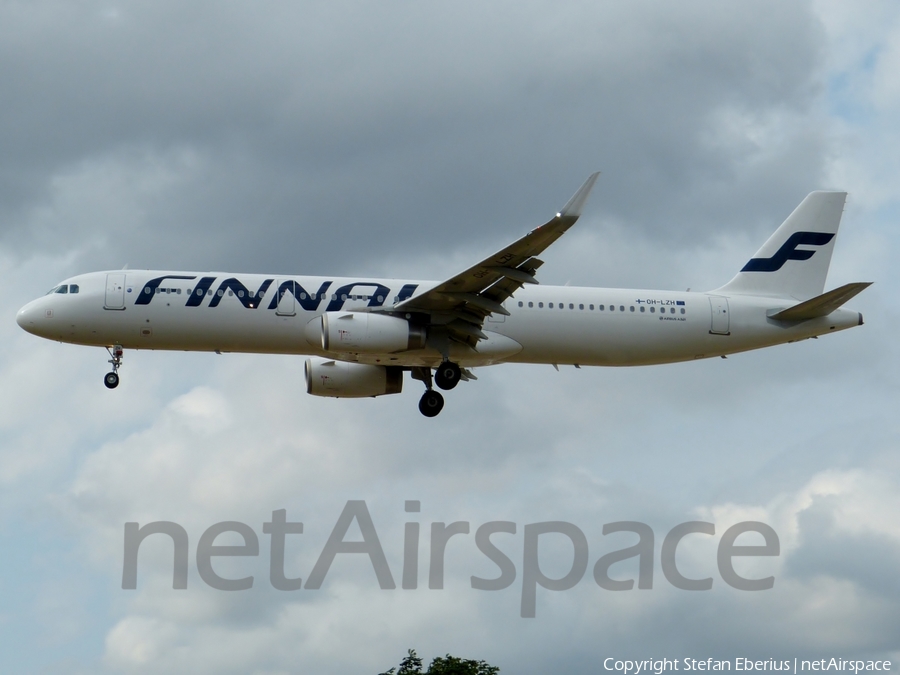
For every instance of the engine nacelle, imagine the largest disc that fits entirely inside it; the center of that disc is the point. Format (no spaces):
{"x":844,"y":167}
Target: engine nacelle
{"x":340,"y":379}
{"x":367,"y":333}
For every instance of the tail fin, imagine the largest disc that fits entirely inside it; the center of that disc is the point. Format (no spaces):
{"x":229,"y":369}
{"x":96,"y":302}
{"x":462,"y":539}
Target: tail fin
{"x":794,"y":261}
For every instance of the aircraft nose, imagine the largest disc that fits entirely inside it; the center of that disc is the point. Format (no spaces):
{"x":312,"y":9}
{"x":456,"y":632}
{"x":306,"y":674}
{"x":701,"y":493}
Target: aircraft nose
{"x":26,"y":317}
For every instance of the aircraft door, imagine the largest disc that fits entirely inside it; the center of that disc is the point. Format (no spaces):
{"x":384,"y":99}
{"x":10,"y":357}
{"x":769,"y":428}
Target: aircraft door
{"x":287,"y":303}
{"x":115,"y":291}
{"x":719,"y":322}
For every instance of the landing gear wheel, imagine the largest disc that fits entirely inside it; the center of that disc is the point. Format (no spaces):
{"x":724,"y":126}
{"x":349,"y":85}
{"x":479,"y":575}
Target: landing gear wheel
{"x":447,"y":375}
{"x":111,"y":380}
{"x":431,"y":403}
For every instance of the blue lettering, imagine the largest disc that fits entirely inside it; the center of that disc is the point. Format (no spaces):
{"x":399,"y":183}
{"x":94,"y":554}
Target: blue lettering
{"x":149,"y":289}
{"x":244,"y":295}
{"x":199,"y":291}
{"x":340,"y":295}
{"x":309,"y":302}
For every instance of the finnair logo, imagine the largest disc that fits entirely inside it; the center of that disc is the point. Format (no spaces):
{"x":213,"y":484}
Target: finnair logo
{"x":284,"y":296}
{"x":788,"y":251}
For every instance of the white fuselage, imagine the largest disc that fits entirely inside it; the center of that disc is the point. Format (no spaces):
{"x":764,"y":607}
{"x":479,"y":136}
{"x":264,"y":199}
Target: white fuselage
{"x":546,"y":324}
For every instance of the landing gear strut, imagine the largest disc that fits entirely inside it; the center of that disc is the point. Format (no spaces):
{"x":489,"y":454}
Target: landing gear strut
{"x":431,"y":402}
{"x":111,"y":380}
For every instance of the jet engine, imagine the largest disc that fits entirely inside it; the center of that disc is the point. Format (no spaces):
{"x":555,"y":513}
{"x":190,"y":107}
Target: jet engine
{"x":340,"y":379}
{"x":367,"y":333}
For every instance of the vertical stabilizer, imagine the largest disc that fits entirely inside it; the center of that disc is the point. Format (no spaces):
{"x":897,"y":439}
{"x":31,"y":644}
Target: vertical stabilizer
{"x":794,"y":262}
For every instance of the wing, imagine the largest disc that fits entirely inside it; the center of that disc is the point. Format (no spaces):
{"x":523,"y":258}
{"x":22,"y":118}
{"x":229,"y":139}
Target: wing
{"x":462,"y":302}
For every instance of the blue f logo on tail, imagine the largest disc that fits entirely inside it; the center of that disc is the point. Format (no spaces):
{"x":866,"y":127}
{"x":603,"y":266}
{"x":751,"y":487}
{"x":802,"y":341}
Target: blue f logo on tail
{"x":788,"y":251}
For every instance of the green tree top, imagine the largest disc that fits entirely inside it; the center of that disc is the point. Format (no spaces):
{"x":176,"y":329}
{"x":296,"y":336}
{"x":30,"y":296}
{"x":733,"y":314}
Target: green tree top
{"x":442,"y":665}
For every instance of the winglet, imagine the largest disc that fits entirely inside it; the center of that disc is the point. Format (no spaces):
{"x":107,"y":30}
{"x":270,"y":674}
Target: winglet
{"x":576,"y":203}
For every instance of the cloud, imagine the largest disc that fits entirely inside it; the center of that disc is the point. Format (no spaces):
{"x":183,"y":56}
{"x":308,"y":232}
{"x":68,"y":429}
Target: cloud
{"x":440,"y":122}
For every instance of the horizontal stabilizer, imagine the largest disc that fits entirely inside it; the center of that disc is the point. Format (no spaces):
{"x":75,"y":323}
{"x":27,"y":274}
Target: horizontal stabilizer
{"x":821,"y":305}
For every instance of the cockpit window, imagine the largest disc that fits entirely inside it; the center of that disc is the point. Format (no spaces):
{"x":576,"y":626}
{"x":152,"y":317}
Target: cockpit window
{"x":62,"y":289}
{"x":73,"y":288}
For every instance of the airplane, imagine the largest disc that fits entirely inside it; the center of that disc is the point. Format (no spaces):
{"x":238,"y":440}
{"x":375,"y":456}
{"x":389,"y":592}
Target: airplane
{"x":361,"y":334}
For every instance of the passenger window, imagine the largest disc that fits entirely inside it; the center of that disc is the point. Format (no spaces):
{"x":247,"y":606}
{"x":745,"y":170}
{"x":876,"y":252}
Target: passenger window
{"x":612,"y":308}
{"x":631,"y":308}
{"x":240,"y":294}
{"x":562,"y":305}
{"x":530,"y":304}
{"x":653,"y":310}
{"x":178,"y":291}
{"x":601,"y":307}
{"x":682,"y":310}
{"x":571,"y":306}
{"x":591,"y":307}
{"x":580,"y":306}
{"x":550,"y":305}
{"x":642,"y":308}
{"x":521,"y":304}
{"x":541,"y":305}
{"x":672,"y":310}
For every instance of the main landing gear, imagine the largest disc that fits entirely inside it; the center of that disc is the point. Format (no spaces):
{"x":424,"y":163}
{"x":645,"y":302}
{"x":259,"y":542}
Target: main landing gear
{"x":446,"y":376}
{"x":111,"y":380}
{"x":431,"y":403}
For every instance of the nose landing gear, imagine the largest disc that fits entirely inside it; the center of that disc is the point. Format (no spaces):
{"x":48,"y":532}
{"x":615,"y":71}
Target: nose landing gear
{"x":111,"y":380}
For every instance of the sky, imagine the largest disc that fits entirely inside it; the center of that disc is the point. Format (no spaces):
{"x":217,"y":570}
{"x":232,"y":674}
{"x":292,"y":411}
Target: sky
{"x":410,"y":141}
